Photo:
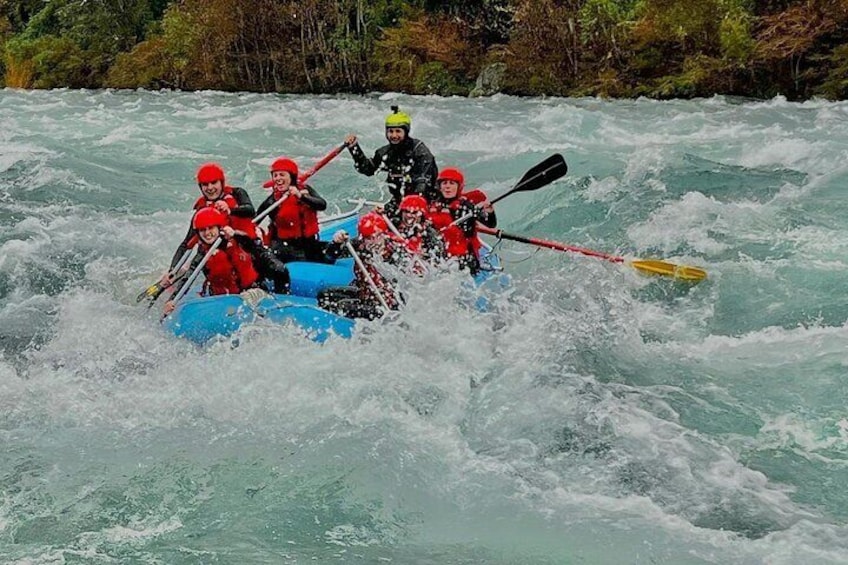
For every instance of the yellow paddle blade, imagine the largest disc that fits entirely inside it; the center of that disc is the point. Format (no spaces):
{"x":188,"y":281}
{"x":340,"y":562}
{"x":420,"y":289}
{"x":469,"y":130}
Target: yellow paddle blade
{"x":663,"y":268}
{"x":152,"y":292}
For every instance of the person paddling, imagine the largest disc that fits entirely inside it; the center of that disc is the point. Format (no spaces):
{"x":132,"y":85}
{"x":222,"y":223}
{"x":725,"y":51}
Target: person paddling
{"x":229,"y":269}
{"x":236,"y":206}
{"x":456,"y":216}
{"x":231,"y":201}
{"x":410,"y":165}
{"x":422,"y":239}
{"x":373,"y":245}
{"x":294,"y":223}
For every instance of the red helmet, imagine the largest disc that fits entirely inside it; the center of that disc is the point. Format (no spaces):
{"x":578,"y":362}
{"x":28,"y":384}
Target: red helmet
{"x":413,"y":203}
{"x":210,"y":172}
{"x":451,"y":173}
{"x":287,"y":165}
{"x":208,"y":217}
{"x":371,"y":223}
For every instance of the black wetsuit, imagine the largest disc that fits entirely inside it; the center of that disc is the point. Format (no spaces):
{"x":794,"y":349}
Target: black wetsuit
{"x":410,"y":165}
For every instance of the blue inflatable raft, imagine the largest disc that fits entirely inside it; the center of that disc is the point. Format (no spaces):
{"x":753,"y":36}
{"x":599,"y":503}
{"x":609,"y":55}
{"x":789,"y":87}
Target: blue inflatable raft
{"x":203,"y":318}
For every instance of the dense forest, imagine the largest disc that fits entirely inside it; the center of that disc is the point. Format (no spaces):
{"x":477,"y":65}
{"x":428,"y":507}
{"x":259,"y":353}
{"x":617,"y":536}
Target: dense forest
{"x":618,"y":48}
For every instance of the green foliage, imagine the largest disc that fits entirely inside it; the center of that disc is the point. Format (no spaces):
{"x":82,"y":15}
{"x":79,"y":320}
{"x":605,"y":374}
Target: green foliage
{"x":19,"y":12}
{"x":402,"y":52}
{"x":146,"y":66}
{"x":434,"y":78}
{"x":690,"y":25}
{"x":544,"y":51}
{"x":46,"y":62}
{"x":661,"y":48}
{"x":700,"y":76}
{"x":604,"y":29}
{"x":835,"y":85}
{"x":489,"y":21}
{"x":182,"y":38}
{"x":735,"y":38}
{"x":180,"y":56}
{"x":94,"y":31}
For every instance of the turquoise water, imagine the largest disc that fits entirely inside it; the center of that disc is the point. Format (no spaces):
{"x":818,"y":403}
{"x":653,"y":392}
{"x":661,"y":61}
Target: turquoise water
{"x":594,"y":416}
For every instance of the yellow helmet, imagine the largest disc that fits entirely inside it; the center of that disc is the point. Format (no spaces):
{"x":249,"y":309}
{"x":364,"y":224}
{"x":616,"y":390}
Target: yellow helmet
{"x":398,"y":119}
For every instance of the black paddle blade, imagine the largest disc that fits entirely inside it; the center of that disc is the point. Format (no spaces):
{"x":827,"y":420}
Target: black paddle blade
{"x":546,"y":172}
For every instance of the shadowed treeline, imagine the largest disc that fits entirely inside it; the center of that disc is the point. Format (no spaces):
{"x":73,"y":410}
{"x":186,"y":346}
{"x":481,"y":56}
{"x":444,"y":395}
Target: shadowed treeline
{"x":620,"y":48}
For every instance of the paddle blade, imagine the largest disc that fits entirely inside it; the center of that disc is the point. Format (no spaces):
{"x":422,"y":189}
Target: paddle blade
{"x":152,"y":292}
{"x":546,"y":172}
{"x":663,"y":268}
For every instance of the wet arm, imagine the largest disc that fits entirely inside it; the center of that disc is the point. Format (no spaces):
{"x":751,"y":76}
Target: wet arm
{"x":244,"y":206}
{"x":361,"y":163}
{"x":313,"y":199}
{"x":488,"y":219}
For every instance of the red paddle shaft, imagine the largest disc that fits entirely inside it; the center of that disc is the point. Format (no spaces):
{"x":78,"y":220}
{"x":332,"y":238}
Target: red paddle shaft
{"x":302,"y":177}
{"x":550,"y":244}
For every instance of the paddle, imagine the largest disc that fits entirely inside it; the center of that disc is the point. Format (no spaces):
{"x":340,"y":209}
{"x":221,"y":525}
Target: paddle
{"x":647,"y":266}
{"x":153,"y":291}
{"x":199,"y":269}
{"x":371,"y":284}
{"x":302,"y":177}
{"x":360,"y":204}
{"x":543,"y":174}
{"x":417,"y":261}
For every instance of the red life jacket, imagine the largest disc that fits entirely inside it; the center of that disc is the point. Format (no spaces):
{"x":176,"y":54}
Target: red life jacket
{"x":475,"y":196}
{"x":228,"y":271}
{"x":456,"y":242}
{"x":414,"y":244}
{"x":295,"y":219}
{"x":238,"y":223}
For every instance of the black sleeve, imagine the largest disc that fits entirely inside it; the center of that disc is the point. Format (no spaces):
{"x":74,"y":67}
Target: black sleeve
{"x":182,"y":248}
{"x":361,"y":163}
{"x":244,"y":208}
{"x":246,"y":243}
{"x":313,"y":199}
{"x":488,"y":220}
{"x":392,"y":211}
{"x":335,"y":251}
{"x":424,"y":171}
{"x":470,"y":213}
{"x":265,"y":205}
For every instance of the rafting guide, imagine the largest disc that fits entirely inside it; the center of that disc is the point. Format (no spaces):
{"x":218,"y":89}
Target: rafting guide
{"x":410,"y":165}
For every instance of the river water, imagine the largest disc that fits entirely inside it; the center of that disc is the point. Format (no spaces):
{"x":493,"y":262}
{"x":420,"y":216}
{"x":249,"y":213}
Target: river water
{"x":593,"y":415}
